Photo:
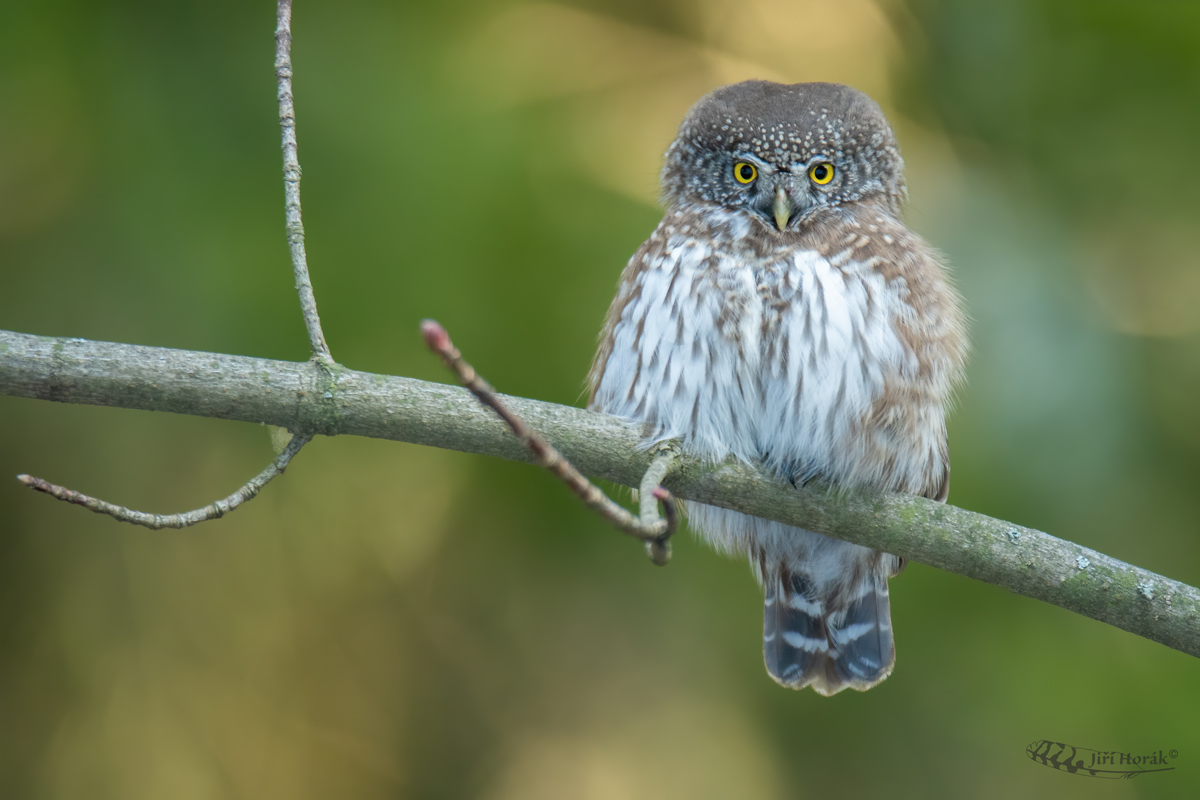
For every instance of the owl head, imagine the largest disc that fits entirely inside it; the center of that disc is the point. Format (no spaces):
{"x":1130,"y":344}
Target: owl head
{"x":784,"y":153}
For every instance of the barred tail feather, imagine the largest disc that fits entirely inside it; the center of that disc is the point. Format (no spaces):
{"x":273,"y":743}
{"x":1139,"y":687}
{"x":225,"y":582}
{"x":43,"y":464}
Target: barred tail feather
{"x":807,"y":641}
{"x":795,"y":641}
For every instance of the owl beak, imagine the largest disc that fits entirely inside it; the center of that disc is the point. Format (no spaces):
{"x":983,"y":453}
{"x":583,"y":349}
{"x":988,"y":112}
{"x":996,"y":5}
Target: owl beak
{"x":783,"y":208}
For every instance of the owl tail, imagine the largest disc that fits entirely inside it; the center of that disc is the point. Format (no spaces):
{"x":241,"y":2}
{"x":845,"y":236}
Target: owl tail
{"x":812,"y":638}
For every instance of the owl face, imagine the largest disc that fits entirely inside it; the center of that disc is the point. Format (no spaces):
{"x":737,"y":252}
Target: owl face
{"x":783,"y":154}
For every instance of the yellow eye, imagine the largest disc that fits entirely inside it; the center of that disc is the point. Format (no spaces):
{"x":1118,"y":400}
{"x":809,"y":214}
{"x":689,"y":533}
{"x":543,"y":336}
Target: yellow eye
{"x":744,"y":172}
{"x":821,"y":173}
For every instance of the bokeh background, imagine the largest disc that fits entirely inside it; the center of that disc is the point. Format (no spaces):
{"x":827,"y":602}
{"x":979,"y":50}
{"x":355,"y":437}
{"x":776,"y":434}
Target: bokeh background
{"x":393,"y":621}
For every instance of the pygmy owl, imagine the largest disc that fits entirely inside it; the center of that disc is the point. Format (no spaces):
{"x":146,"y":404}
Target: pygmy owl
{"x":782,"y":313}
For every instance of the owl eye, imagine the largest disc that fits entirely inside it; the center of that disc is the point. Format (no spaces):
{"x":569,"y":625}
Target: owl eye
{"x":821,"y":173}
{"x":744,"y":172}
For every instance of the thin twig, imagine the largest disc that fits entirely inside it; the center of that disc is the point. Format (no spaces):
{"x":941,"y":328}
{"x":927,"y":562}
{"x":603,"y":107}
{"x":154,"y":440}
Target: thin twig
{"x":183,"y":519}
{"x":308,"y":305}
{"x":655,"y":531}
{"x":291,"y":184}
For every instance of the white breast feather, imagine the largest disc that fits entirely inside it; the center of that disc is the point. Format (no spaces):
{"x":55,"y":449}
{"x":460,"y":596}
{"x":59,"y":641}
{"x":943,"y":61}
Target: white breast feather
{"x":732,"y":390}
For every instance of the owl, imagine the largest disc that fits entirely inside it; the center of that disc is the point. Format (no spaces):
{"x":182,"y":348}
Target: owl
{"x":783,"y":314}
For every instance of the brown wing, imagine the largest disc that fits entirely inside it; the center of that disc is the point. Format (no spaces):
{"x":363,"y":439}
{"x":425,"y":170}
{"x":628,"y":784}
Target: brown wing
{"x":628,"y":289}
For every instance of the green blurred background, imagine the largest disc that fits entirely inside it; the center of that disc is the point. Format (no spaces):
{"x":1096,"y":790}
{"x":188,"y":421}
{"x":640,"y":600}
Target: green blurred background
{"x":393,"y":621}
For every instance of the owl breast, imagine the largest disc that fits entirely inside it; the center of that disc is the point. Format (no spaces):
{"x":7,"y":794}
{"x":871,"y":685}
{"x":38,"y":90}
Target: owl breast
{"x":781,"y":351}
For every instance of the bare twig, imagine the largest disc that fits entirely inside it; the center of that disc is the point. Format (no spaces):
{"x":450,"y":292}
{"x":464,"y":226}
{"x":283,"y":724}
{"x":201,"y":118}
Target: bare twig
{"x":652,"y":529}
{"x":308,"y":305}
{"x":184,"y":519}
{"x":291,"y":184}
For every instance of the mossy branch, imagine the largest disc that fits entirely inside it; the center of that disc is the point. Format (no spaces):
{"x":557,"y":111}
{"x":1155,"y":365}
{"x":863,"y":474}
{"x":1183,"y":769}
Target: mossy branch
{"x":313,"y":399}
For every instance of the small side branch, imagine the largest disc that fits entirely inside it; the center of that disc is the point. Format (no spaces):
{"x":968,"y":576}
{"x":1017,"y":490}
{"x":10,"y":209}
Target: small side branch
{"x":308,"y":305}
{"x":652,"y":529}
{"x":184,"y":519}
{"x":291,"y":184}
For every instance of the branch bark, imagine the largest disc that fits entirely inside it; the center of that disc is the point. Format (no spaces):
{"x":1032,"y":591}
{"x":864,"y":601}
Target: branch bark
{"x":648,"y":526}
{"x":332,"y":400}
{"x":308,"y":307}
{"x":291,"y":182}
{"x":185,"y":519}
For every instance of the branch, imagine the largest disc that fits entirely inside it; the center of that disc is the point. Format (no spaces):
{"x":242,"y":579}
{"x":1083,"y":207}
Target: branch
{"x":291,"y":183}
{"x":655,"y":531}
{"x":185,"y":519}
{"x":308,"y":306}
{"x":306,"y":398}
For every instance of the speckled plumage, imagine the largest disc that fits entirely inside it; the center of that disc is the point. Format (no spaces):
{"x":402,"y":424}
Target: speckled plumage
{"x":826,"y":348}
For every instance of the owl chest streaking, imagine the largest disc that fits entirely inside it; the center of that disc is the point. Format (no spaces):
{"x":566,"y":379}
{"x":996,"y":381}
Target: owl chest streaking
{"x":782,"y":313}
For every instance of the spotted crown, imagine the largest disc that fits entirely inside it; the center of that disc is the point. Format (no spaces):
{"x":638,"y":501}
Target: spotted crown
{"x":784,"y":126}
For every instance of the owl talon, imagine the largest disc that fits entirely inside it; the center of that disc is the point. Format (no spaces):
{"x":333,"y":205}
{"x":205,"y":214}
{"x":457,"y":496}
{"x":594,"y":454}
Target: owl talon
{"x":651,"y":497}
{"x":659,"y":551}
